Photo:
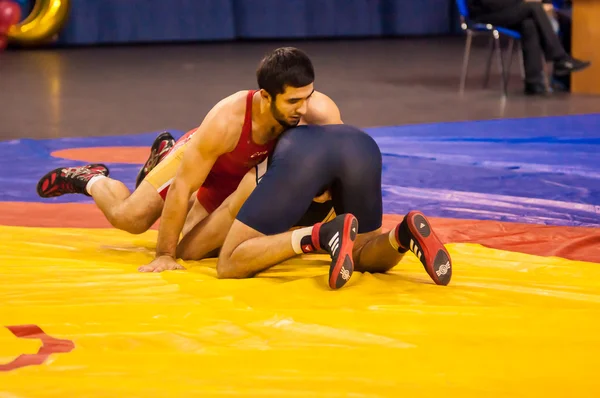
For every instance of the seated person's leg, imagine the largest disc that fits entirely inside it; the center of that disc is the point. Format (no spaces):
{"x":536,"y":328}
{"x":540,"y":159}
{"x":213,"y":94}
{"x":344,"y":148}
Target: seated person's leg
{"x":534,"y":39}
{"x":532,"y":57}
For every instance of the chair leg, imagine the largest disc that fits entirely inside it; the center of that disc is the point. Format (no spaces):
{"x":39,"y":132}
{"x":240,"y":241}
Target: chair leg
{"x":465,"y":67}
{"x":500,"y":61}
{"x":509,"y":52}
{"x":547,"y":74}
{"x":488,"y":67}
{"x":521,"y":60}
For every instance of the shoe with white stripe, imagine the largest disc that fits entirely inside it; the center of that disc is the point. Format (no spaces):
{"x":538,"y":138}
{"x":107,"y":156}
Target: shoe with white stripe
{"x":414,"y":233}
{"x":337,"y":238}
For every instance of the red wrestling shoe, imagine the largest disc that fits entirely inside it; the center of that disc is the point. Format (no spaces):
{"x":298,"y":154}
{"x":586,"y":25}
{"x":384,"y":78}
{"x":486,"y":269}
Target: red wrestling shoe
{"x":337,"y":238}
{"x":161,"y":147}
{"x":414,"y":233}
{"x":66,"y":180}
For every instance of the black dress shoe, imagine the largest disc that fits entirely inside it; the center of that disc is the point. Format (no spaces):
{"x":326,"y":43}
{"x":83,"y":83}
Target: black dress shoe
{"x":566,"y":66}
{"x":536,"y":89}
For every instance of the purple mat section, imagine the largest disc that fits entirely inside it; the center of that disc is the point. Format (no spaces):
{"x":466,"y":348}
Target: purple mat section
{"x":544,"y":170}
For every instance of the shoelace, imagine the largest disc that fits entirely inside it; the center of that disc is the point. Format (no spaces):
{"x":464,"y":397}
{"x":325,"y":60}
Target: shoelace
{"x":80,"y":173}
{"x":74,"y":171}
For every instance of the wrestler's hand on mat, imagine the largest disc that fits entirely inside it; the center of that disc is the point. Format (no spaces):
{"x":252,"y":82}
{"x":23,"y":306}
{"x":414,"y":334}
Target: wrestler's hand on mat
{"x":160,"y":264}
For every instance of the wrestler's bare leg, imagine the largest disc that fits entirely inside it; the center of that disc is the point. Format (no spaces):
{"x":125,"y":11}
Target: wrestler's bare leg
{"x":132,"y":212}
{"x":204,"y":236}
{"x":374,"y":253}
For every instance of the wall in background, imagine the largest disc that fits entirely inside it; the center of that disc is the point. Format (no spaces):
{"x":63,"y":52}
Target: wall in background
{"x":123,"y":21}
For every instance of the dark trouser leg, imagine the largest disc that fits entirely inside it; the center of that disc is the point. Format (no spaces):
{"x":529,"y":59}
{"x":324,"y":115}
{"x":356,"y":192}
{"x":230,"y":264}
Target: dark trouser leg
{"x":564,"y":23}
{"x":532,"y":51}
{"x":514,"y":16}
{"x":553,"y":50}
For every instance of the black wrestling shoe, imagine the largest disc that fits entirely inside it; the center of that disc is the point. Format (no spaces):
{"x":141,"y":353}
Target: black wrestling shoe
{"x":161,"y":147}
{"x":337,"y":238}
{"x":414,"y":233}
{"x":66,"y":180}
{"x":537,"y":89}
{"x":566,"y":66}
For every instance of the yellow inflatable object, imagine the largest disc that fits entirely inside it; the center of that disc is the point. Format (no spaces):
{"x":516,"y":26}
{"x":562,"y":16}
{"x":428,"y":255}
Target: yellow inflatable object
{"x":509,"y":325}
{"x":42,"y":24}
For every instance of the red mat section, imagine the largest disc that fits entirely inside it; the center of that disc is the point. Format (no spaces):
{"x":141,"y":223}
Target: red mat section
{"x":574,"y":243}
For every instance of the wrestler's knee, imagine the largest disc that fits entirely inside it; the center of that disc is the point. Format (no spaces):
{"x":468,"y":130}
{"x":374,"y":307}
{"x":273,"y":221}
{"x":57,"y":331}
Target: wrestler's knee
{"x":134,"y":222}
{"x":229,"y":268}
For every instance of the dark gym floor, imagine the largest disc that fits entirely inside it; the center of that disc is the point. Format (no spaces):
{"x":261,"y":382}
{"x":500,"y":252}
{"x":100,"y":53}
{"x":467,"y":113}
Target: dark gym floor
{"x":133,"y":89}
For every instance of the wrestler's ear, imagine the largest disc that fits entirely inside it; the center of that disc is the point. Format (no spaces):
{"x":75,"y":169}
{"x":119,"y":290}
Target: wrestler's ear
{"x":266,"y":96}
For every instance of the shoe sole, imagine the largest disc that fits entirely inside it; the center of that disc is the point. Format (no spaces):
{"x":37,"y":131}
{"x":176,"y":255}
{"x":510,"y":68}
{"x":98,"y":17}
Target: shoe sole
{"x":429,"y":248}
{"x":341,"y":270}
{"x":46,"y":181}
{"x":51,"y":177}
{"x":154,"y":148}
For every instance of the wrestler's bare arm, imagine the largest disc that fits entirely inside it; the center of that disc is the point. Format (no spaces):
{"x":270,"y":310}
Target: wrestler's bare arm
{"x":214,"y":137}
{"x":209,"y":234}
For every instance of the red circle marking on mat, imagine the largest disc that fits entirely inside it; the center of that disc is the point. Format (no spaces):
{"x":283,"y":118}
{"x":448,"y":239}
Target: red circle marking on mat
{"x":109,"y":154}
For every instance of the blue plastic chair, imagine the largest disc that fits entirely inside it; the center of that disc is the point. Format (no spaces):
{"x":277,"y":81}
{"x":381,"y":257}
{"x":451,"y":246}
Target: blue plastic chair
{"x":473,"y":29}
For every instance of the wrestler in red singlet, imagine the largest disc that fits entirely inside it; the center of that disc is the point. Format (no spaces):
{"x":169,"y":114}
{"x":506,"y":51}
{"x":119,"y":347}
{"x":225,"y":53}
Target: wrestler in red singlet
{"x":230,"y":168}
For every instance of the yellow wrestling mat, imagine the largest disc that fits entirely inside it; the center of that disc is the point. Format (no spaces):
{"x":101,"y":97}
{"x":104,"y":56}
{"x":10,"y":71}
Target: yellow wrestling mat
{"x":509,"y":325}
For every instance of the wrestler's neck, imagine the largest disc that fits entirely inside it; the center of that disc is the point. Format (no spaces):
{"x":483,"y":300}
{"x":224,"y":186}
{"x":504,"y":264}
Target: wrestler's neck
{"x":265,"y":127}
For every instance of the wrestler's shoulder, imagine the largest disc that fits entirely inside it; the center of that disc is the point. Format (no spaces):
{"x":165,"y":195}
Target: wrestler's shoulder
{"x":322,"y":110}
{"x":321,"y":96}
{"x":234,"y":101}
{"x":224,"y":121}
{"x":229,"y":113}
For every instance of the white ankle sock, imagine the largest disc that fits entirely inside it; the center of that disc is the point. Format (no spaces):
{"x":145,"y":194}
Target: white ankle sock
{"x":92,"y":181}
{"x":393,"y":240}
{"x":297,"y":236}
